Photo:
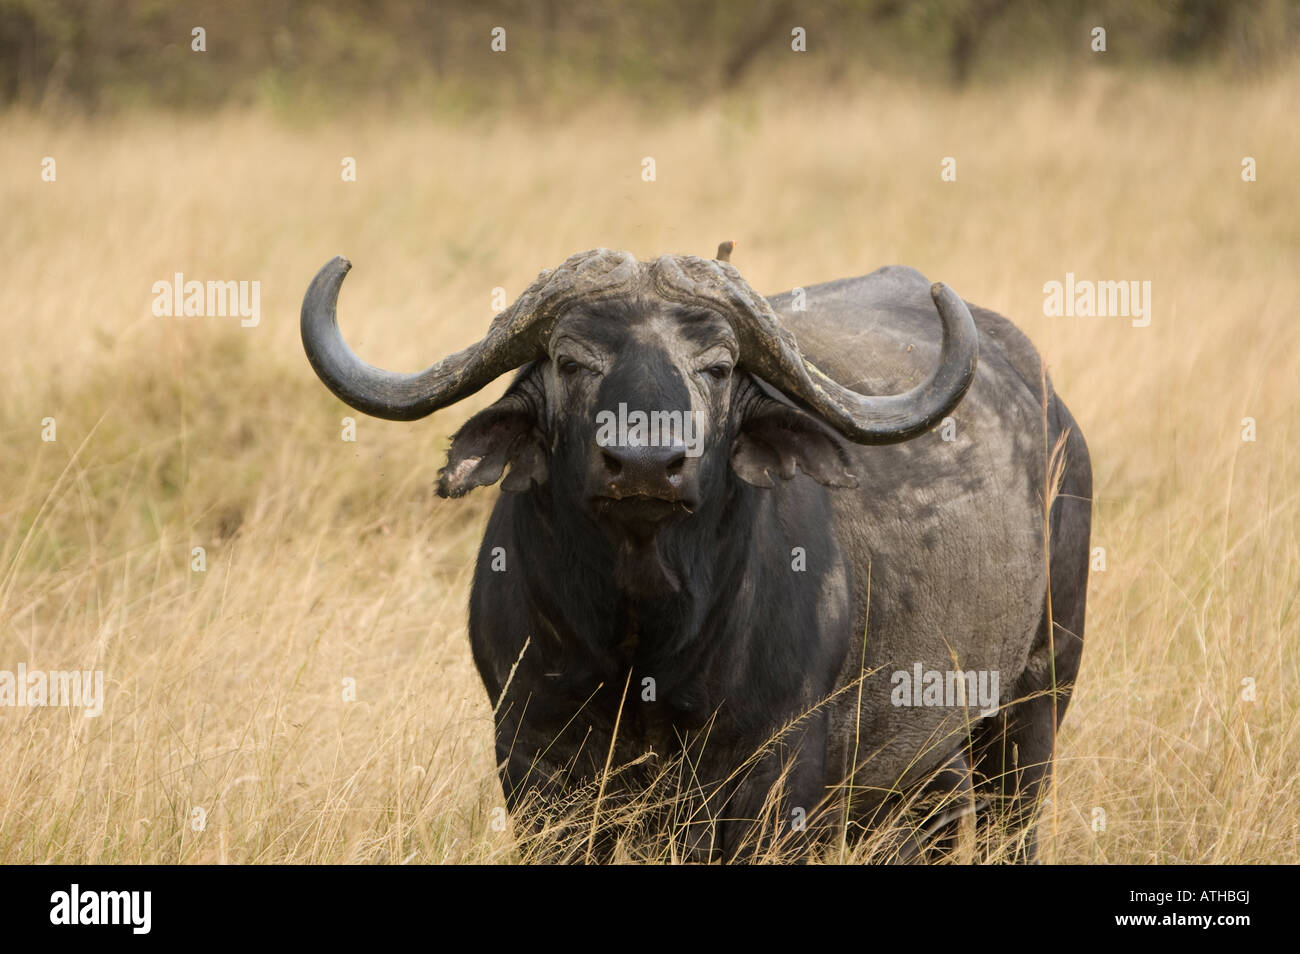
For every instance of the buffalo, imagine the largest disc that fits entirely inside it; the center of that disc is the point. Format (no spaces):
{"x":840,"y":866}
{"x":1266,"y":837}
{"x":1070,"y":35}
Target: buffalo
{"x":825,"y":552}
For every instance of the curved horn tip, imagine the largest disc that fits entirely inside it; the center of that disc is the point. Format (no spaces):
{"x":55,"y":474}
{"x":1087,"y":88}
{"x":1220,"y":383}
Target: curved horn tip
{"x":334,"y":269}
{"x":943,"y":295}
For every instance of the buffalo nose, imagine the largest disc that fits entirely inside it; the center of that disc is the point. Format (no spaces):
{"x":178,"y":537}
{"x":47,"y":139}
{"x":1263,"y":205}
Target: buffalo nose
{"x":654,"y":471}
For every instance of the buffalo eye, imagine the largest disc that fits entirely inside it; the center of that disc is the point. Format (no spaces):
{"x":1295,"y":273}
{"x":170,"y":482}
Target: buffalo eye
{"x":567,"y":366}
{"x":719,"y":372}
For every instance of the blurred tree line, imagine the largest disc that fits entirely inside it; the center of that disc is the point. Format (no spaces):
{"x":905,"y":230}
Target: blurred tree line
{"x":108,"y":54}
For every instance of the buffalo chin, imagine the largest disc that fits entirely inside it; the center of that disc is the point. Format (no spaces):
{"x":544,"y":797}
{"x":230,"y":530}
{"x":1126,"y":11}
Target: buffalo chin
{"x":635,"y":523}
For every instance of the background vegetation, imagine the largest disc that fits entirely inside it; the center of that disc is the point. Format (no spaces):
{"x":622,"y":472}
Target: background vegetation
{"x":329,"y":560}
{"x":410,"y":54}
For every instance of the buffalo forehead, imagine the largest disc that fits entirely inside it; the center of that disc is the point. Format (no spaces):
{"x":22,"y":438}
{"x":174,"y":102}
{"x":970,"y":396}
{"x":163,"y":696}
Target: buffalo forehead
{"x":615,"y":324}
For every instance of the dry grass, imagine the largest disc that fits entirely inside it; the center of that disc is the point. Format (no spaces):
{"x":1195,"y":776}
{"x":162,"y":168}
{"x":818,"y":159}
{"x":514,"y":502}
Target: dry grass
{"x":329,"y":560}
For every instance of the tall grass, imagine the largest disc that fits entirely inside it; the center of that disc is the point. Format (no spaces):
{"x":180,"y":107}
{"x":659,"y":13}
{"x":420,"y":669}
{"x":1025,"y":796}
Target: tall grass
{"x":328,"y":560}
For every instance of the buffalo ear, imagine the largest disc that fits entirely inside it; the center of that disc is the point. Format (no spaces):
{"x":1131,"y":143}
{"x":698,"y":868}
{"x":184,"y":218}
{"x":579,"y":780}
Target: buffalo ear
{"x":505,"y":433}
{"x":776,"y":439}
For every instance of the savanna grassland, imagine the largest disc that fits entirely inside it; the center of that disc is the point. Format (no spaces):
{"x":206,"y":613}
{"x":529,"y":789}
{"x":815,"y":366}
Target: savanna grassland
{"x":327,"y":560}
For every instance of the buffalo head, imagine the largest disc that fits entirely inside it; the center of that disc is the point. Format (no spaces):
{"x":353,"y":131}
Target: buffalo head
{"x":643,"y":385}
